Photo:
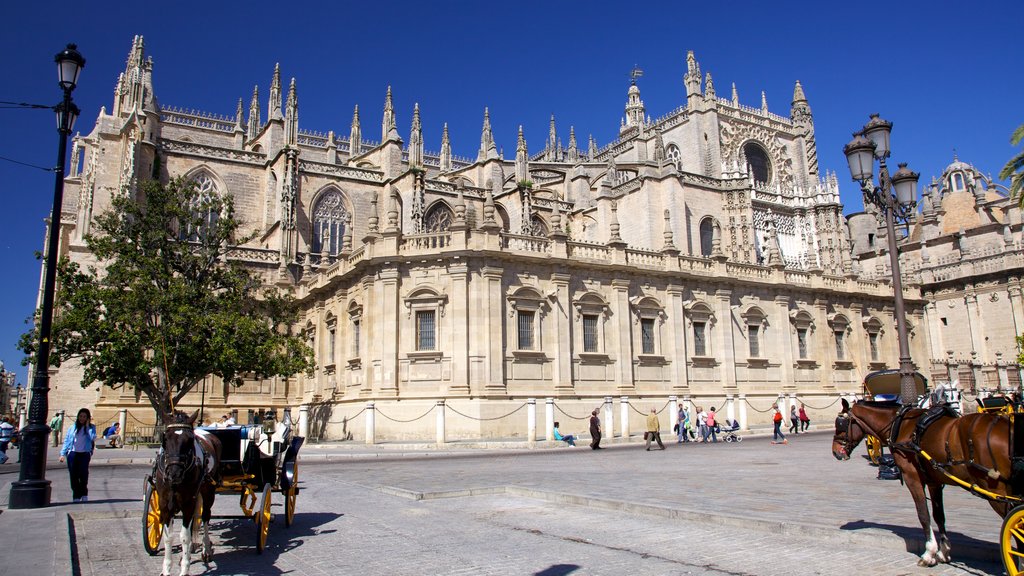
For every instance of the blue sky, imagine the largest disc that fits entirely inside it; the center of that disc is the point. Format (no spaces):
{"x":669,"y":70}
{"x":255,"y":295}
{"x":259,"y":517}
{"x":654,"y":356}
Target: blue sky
{"x":946,"y":74}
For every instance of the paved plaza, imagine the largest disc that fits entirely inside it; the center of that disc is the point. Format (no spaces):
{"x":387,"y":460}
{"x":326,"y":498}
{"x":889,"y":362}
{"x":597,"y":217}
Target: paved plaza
{"x":751,"y":508}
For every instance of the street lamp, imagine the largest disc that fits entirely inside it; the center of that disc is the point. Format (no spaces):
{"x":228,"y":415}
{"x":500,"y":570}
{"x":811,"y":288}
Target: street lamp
{"x":868,"y":145}
{"x":32,"y":490}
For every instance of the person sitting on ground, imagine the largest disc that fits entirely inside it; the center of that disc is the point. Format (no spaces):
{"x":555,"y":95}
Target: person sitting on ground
{"x":6,"y":437}
{"x":568,"y":439}
{"x":113,"y":435}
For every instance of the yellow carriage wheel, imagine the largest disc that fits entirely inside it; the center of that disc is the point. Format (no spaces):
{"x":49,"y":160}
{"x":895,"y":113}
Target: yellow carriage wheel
{"x":263,"y":519}
{"x":152,"y":529}
{"x":291,"y":495}
{"x":874,"y":446}
{"x":1011,"y":541}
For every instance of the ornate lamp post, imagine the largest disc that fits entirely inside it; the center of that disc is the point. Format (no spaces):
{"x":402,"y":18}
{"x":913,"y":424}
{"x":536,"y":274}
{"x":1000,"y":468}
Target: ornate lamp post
{"x":32,"y":490}
{"x":868,"y":145}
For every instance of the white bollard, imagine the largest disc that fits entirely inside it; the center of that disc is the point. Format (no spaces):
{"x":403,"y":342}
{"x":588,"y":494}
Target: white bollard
{"x":673,"y":409}
{"x":608,"y":428}
{"x":549,"y":419}
{"x":440,"y":422}
{"x":21,"y":420}
{"x":730,"y":408}
{"x":743,"y":412}
{"x":624,"y":416}
{"x":304,"y":420}
{"x":370,"y":417}
{"x":122,"y":420}
{"x":531,"y":419}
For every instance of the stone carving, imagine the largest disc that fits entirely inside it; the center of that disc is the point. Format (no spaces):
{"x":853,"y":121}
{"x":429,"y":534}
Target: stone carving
{"x":733,"y":136}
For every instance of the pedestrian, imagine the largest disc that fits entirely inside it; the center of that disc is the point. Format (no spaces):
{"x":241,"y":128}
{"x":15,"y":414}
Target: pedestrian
{"x":805,"y":422}
{"x":777,"y":422}
{"x":569,"y":439}
{"x":702,"y":423}
{"x":712,"y":425}
{"x":57,"y":427}
{"x":113,"y":435}
{"x":595,"y":431}
{"x":653,"y":430}
{"x":684,"y":424}
{"x":79,"y":444}
{"x":6,"y":436}
{"x":794,"y":420}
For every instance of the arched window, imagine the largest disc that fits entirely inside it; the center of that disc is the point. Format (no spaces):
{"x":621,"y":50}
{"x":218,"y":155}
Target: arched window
{"x":502,"y":217}
{"x":205,"y":211}
{"x":758,"y":163}
{"x":538,"y":227}
{"x":674,"y":156}
{"x":329,"y":220}
{"x":957,"y":182}
{"x":707,"y":234}
{"x":438,"y":219}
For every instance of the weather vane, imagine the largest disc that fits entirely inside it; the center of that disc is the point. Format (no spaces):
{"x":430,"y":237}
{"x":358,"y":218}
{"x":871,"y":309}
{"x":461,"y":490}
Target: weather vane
{"x":635,"y":73}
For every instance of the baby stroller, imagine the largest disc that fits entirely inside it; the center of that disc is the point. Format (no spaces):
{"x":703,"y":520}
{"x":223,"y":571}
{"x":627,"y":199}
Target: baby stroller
{"x":728,"y":431}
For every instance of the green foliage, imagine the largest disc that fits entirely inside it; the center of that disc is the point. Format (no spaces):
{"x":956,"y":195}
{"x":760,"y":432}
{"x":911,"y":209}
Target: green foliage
{"x":525,"y":184}
{"x":165,"y":309}
{"x":1014,"y":169}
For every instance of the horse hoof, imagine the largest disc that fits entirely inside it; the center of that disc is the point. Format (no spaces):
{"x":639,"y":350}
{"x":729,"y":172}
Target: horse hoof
{"x":926,"y":563}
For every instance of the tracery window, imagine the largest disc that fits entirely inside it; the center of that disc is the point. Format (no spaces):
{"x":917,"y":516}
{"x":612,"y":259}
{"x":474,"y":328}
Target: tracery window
{"x":438,"y":219}
{"x":204,"y":216}
{"x":758,"y":164}
{"x":674,"y":156}
{"x":707,"y":234}
{"x":329,"y":221}
{"x":538,"y":227}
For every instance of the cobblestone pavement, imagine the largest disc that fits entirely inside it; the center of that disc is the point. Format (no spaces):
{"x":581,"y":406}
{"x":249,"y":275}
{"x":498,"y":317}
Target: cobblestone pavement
{"x":751,"y":508}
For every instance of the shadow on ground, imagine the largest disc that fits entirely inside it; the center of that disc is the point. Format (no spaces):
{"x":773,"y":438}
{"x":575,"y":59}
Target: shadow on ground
{"x":913,"y":540}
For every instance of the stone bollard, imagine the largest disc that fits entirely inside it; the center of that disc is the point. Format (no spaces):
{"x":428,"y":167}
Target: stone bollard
{"x":371,"y":413}
{"x":122,"y":420}
{"x":608,"y":427}
{"x":531,"y":420}
{"x":624,"y":416}
{"x":21,"y":419}
{"x":304,"y":420}
{"x":673,"y":408}
{"x":440,"y":422}
{"x":743,"y":412}
{"x":549,"y":419}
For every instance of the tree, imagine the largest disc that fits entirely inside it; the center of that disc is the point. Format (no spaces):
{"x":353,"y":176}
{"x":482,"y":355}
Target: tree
{"x":165,"y":308}
{"x":1014,"y":169}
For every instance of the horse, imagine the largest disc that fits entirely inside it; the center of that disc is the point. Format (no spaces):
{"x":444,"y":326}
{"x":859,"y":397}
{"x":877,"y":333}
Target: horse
{"x":974,"y":448}
{"x":186,"y":479}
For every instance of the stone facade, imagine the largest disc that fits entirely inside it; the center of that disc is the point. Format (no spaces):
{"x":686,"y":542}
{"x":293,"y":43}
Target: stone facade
{"x":701,"y":255}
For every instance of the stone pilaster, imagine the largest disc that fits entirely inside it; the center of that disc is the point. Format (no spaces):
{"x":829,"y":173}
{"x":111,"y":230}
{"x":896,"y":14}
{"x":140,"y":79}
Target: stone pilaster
{"x":561,"y":324}
{"x":491,"y":309}
{"x":824,"y":345}
{"x":621,"y":342}
{"x":386,"y":367}
{"x":460,"y":314}
{"x":726,"y":349}
{"x":677,"y":340}
{"x":784,"y":341}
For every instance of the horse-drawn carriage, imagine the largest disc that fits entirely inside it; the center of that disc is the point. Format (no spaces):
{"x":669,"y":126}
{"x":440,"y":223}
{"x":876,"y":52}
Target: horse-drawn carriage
{"x":252,"y":462}
{"x":934,"y":445}
{"x":884,"y":385}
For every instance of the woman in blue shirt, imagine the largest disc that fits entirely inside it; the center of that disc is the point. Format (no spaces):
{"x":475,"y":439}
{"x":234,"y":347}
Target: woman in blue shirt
{"x":568,"y":439}
{"x":79,"y":443}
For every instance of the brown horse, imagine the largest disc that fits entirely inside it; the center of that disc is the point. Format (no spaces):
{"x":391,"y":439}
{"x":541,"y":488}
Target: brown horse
{"x":186,"y":468}
{"x":974,"y":448}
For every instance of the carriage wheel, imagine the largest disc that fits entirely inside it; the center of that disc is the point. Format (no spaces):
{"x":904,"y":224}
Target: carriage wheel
{"x":738,"y":438}
{"x":263,"y":519}
{"x":291,"y":495}
{"x":1011,"y":541}
{"x":152,"y":529}
{"x":874,"y":446}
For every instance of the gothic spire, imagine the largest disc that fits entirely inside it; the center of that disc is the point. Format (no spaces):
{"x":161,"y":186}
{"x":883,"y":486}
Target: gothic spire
{"x":355,"y":136}
{"x":591,"y":148}
{"x":634,"y":108}
{"x":692,"y":77}
{"x":522,"y":166}
{"x":389,"y":129}
{"x":659,"y":147}
{"x":416,"y":139}
{"x":239,"y":115}
{"x":446,"y":150}
{"x":291,"y":120}
{"x":573,"y":152}
{"x":488,"y":149}
{"x":800,"y":109}
{"x":255,"y":122}
{"x":669,"y":244}
{"x":735,"y":95}
{"x":709,"y":87}
{"x":274,"y":106}
{"x":551,"y":150}
{"x":764,"y":102}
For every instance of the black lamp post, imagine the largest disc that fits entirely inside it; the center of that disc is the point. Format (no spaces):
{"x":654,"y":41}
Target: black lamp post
{"x":32,"y":490}
{"x":868,"y":145}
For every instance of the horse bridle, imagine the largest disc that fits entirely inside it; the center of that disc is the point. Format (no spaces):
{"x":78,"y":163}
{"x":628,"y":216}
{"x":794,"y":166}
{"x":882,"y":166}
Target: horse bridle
{"x":845,"y":422}
{"x":164,"y":459}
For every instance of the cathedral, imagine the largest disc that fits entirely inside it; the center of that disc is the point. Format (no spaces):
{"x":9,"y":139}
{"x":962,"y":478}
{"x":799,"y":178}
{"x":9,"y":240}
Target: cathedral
{"x":702,"y":257}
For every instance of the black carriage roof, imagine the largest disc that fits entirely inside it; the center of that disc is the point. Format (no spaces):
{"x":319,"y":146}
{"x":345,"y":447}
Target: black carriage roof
{"x":888,"y":382}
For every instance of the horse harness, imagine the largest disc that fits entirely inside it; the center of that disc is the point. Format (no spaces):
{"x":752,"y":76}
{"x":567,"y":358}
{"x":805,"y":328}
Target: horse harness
{"x":203,"y":446}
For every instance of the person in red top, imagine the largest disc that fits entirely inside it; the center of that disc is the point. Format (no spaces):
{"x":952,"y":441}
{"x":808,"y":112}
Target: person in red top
{"x":777,"y":432}
{"x":805,"y":422}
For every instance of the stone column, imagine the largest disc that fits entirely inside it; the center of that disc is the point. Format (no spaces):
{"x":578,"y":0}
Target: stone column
{"x":824,"y":349}
{"x":122,"y":420}
{"x":549,"y":419}
{"x":458,"y":312}
{"x":439,"y":408}
{"x":561,"y":327}
{"x":931,"y":316}
{"x":531,"y":420}
{"x":387,"y":288}
{"x":370,"y":417}
{"x":492,"y":308}
{"x":784,"y":336}
{"x":726,"y":338}
{"x":304,"y":420}
{"x":743,"y":412}
{"x":609,"y":424}
{"x":624,"y":416}
{"x":676,"y":339}
{"x":622,"y":343}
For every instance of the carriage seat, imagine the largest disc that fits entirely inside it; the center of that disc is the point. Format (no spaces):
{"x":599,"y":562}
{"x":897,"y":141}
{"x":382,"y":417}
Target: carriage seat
{"x":233,"y":442}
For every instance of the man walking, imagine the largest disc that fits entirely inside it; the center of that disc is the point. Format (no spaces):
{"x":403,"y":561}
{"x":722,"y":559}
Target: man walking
{"x":595,"y":431}
{"x":653,"y":430}
{"x":57,"y":427}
